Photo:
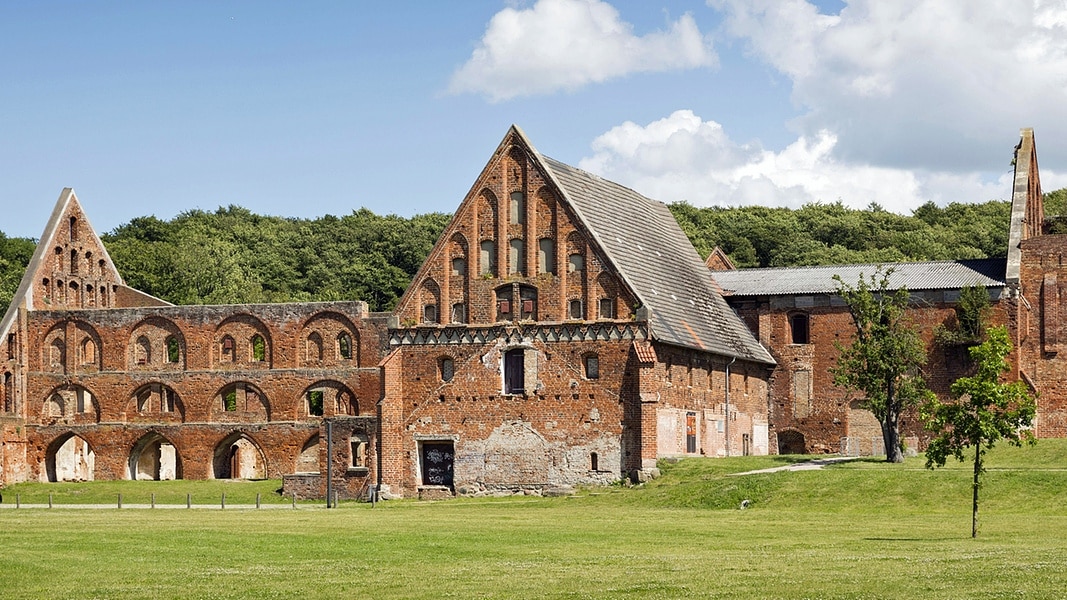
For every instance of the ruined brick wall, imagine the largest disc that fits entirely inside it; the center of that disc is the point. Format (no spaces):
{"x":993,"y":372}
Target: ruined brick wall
{"x":198,"y":382}
{"x":565,"y":426}
{"x":808,"y":412}
{"x":1042,"y":332}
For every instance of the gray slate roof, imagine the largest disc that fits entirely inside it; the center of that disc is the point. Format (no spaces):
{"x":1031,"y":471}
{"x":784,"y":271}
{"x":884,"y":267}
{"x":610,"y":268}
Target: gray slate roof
{"x":654,"y":257}
{"x":917,"y":276}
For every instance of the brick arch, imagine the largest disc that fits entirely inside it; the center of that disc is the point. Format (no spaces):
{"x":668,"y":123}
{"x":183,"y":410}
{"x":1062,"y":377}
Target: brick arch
{"x":242,"y":329}
{"x":546,"y":212}
{"x":429,"y":295}
{"x":487,"y":214}
{"x":328,"y":327}
{"x":69,"y":457}
{"x":155,"y":330}
{"x":337,"y":399}
{"x":88,"y":347}
{"x":458,"y":269}
{"x":69,"y":403}
{"x":791,"y":441}
{"x":239,"y":456}
{"x":249,"y":404}
{"x":155,"y":402}
{"x":154,"y":457}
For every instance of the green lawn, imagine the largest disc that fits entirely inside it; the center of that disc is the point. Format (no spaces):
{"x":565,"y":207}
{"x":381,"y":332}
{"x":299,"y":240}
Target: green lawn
{"x":857,"y":530}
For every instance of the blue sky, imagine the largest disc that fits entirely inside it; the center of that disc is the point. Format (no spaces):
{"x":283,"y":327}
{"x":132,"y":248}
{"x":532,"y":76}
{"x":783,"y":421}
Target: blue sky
{"x":322,"y":108}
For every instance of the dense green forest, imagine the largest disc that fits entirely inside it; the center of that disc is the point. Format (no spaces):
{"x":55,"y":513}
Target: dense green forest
{"x":234,"y":256}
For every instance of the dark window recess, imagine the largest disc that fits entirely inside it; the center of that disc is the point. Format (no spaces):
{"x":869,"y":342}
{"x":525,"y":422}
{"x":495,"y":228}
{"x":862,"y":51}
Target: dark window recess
{"x":315,"y":403}
{"x":259,"y":349}
{"x":690,"y":432}
{"x":344,"y":346}
{"x":173,"y":350}
{"x":437,"y":460}
{"x":594,"y":462}
{"x":514,"y":371}
{"x":592,"y":367}
{"x":229,"y":400}
{"x":448,"y":369}
{"x":799,"y":325}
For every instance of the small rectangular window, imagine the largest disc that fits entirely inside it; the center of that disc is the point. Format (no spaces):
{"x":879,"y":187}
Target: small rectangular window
{"x":607,"y":308}
{"x":429,"y":313}
{"x":592,"y":366}
{"x":514,"y":371}
{"x":459,"y":313}
{"x":574,"y":309}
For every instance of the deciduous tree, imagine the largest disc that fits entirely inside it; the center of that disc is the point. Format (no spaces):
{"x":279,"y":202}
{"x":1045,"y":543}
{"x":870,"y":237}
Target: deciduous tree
{"x":984,"y":411}
{"x":883,"y":360}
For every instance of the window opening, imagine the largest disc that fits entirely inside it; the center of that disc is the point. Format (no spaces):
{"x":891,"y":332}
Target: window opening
{"x":546,"y":255}
{"x":799,"y":325}
{"x":88,"y":351}
{"x":517,"y":258}
{"x":459,"y":313}
{"x":429,"y":313}
{"x":448,"y":369}
{"x":228,"y":349}
{"x":143,"y":351}
{"x":607,"y":308}
{"x":73,"y":262}
{"x":72,"y":231}
{"x":8,"y":393}
{"x":11,"y":346}
{"x":503,"y":304}
{"x":574,"y":309}
{"x":174,"y":350}
{"x":592,"y":366}
{"x":344,"y":346}
{"x":314,"y":400}
{"x":259,"y":348}
{"x":518,"y":208}
{"x":691,"y":432}
{"x":528,"y":296}
{"x":594,"y":461}
{"x":575,"y":263}
{"x":358,"y":452}
{"x":229,"y":400}
{"x":514,"y":371}
{"x":436,"y":462}
{"x":487,"y":258}
{"x":459,"y":267}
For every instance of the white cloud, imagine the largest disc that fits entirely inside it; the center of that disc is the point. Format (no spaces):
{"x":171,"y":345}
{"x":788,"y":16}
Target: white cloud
{"x":683,"y":157}
{"x":924,"y":84}
{"x":565,"y":44}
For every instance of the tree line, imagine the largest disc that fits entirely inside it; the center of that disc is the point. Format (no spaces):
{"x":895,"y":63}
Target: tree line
{"x":232,"y":255}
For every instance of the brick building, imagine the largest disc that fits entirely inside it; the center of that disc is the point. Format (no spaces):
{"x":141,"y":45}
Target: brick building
{"x":562,"y":331}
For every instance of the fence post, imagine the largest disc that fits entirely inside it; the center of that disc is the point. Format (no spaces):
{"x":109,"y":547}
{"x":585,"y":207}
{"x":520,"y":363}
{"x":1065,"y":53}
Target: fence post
{"x":120,"y":500}
{"x":294,"y":499}
{"x":18,"y":501}
{"x":188,"y":500}
{"x":257,"y":499}
{"x":50,"y":500}
{"x":224,"y":500}
{"x":153,"y":499}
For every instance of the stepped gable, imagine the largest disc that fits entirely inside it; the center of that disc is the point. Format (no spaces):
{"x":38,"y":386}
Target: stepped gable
{"x":915,"y":276}
{"x":71,"y":268}
{"x":652,"y":254}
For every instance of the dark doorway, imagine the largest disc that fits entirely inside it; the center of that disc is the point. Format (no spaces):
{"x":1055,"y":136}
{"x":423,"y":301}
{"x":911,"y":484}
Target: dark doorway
{"x":437,"y":460}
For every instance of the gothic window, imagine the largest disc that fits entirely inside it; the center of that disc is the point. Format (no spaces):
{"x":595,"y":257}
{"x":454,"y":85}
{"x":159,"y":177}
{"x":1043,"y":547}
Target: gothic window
{"x":73,"y":262}
{"x":314,"y":347}
{"x":259,"y":348}
{"x":344,"y":346}
{"x":88,"y":351}
{"x":228,"y":347}
{"x":174,"y":350}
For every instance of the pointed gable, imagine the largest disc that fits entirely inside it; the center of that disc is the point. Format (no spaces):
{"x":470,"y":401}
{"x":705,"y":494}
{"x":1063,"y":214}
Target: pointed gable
{"x":538,"y":240}
{"x":71,"y":269}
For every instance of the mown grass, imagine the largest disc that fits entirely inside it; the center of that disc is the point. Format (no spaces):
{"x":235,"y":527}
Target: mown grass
{"x":857,"y":530}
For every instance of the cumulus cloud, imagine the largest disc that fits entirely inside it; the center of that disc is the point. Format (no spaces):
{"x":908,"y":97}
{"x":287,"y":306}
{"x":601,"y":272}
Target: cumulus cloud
{"x":565,"y":44}
{"x":925,"y":84}
{"x":683,"y":157}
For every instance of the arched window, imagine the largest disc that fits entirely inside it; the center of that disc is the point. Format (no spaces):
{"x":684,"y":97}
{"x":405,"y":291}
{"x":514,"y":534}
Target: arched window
{"x":56,"y":353}
{"x":259,"y":348}
{"x":799,"y":325}
{"x":227,"y":349}
{"x":314,"y":347}
{"x":174,"y":350}
{"x":73,"y":262}
{"x":344,"y":346}
{"x":142,"y":351}
{"x":448,"y":368}
{"x":88,"y":351}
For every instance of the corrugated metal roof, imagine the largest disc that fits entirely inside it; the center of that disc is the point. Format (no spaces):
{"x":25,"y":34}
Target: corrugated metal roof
{"x":916,"y":276}
{"x":655,"y":258}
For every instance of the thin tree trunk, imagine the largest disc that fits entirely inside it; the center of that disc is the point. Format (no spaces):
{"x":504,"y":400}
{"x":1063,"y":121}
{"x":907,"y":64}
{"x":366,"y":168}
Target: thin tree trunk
{"x":974,"y":505}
